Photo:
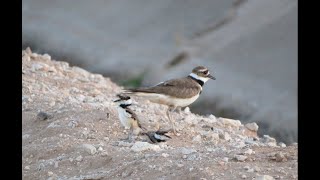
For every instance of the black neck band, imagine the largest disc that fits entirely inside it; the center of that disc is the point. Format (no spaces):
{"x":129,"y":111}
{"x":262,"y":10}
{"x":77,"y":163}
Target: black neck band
{"x":197,"y":80}
{"x":124,"y":105}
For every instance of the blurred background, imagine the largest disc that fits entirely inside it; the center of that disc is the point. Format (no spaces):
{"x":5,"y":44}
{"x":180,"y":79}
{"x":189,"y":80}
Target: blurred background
{"x":250,"y":46}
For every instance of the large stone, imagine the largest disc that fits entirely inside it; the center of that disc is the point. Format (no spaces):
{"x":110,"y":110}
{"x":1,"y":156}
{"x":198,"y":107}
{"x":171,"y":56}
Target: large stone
{"x":264,"y":177}
{"x":252,"y":126}
{"x":240,"y":158}
{"x":90,"y":149}
{"x":143,"y":146}
{"x":270,"y":141}
{"x":230,"y":122}
{"x":187,"y":151}
{"x":283,"y":145}
{"x":280,"y":157}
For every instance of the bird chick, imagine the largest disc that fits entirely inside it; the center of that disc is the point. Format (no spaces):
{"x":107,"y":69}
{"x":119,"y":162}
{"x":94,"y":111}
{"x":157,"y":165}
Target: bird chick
{"x":127,"y":117}
{"x":130,"y":120}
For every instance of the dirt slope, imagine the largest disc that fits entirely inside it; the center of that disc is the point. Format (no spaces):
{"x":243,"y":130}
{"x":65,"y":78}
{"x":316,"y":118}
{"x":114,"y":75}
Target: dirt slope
{"x":71,"y":130}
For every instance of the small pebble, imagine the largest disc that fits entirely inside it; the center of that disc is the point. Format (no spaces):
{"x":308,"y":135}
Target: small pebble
{"x":50,"y":173}
{"x":240,"y":158}
{"x":165,"y":155}
{"x":89,"y":148}
{"x":43,"y":116}
{"x":283,"y":145}
{"x":56,"y":164}
{"x":79,"y":158}
{"x":104,"y":153}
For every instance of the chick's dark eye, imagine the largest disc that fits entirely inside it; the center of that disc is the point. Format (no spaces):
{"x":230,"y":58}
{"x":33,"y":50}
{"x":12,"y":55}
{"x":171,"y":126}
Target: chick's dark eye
{"x":205,"y":72}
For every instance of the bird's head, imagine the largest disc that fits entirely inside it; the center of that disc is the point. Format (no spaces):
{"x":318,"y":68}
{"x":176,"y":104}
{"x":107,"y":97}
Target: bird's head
{"x":201,"y":73}
{"x":123,"y":100}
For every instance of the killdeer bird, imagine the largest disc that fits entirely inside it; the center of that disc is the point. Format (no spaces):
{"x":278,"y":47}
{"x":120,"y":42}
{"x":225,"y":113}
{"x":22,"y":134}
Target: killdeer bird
{"x":175,"y":93}
{"x":130,"y":120}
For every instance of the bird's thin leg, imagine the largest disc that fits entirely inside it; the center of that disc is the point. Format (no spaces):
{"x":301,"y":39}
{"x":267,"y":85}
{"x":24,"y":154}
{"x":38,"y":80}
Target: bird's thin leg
{"x":130,"y":135}
{"x":170,"y":109}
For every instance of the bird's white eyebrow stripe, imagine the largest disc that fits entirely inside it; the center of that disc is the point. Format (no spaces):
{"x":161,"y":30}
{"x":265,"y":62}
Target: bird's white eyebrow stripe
{"x":204,"y":71}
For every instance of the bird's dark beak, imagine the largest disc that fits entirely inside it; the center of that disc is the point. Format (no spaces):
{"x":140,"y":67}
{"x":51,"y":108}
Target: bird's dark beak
{"x":211,"y":77}
{"x":117,"y":100}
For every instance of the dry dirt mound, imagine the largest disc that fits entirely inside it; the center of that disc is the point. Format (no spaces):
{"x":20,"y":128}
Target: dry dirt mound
{"x":71,"y":131}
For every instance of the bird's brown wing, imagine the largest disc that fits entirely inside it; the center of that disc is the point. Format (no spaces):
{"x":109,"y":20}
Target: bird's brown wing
{"x":181,"y":88}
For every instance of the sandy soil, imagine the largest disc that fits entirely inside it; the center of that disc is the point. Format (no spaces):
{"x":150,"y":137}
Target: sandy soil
{"x":71,"y":130}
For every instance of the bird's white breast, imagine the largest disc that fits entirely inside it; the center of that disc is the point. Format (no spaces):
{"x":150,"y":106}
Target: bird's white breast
{"x":183,"y":102}
{"x":169,"y":100}
{"x":125,"y":118}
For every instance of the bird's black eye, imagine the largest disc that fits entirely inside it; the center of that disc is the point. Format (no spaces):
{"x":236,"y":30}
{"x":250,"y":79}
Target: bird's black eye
{"x":205,"y":72}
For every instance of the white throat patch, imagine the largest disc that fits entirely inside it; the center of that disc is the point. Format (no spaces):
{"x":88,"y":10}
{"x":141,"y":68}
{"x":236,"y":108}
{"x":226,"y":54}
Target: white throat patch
{"x":203,"y":79}
{"x":129,"y":101}
{"x":125,"y":102}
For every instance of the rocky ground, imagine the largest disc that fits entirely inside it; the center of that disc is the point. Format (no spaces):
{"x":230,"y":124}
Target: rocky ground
{"x":71,"y":130}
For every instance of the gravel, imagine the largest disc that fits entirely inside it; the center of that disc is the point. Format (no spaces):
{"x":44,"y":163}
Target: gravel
{"x":84,"y":138}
